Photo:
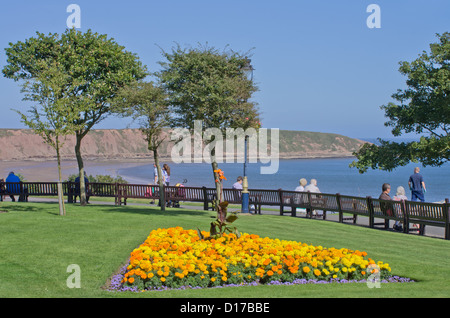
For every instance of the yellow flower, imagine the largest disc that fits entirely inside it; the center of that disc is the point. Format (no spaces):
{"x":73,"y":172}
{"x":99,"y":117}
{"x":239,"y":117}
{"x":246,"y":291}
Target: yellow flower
{"x":178,"y":253}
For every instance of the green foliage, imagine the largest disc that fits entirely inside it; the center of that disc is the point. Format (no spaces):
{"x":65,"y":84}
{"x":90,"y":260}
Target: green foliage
{"x":79,"y":73}
{"x":208,"y":85}
{"x":146,"y":103}
{"x":424,"y":108}
{"x":99,"y":179}
{"x":221,"y":224}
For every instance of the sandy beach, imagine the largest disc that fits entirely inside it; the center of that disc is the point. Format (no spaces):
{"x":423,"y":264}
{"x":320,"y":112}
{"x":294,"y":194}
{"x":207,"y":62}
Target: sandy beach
{"x":47,"y":171}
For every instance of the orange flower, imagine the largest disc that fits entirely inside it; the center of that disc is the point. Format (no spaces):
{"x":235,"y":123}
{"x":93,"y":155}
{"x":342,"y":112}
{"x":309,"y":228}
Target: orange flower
{"x":221,"y":175}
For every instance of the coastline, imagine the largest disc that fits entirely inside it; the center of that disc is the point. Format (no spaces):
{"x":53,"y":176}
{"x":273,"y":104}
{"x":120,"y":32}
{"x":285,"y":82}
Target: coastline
{"x":44,"y":170}
{"x":47,"y":171}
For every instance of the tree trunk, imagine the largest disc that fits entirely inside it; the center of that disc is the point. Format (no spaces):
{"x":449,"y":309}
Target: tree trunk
{"x":216,"y":177}
{"x":62,"y":208}
{"x":80,"y":168}
{"x":162,"y":199}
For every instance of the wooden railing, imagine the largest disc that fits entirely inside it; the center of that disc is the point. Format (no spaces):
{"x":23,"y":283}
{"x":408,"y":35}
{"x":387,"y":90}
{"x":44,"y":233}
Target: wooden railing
{"x":348,"y":207}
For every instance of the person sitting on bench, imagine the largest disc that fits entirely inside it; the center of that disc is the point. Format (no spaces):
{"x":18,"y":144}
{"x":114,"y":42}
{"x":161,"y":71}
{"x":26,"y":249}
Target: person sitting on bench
{"x":77,"y":188}
{"x":13,"y":188}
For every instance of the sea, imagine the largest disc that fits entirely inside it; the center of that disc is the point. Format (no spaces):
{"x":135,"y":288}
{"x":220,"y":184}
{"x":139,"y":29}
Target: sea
{"x":333,"y":176}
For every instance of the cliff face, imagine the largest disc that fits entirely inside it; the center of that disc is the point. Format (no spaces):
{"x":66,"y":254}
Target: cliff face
{"x":122,"y":144}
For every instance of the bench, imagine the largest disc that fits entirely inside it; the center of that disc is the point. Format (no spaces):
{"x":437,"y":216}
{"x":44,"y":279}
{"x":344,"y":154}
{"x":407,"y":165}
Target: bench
{"x":387,"y":210}
{"x":305,"y":200}
{"x":356,"y":206}
{"x":12,"y":189}
{"x":424,"y":214}
{"x":235,"y":196}
{"x":432,"y":214}
{"x":135,"y":191}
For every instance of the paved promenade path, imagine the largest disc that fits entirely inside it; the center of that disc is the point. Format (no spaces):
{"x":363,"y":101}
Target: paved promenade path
{"x":430,"y":231}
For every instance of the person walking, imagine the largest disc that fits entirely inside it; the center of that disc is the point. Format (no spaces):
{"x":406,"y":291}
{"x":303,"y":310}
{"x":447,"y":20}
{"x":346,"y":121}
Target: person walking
{"x":166,"y":180}
{"x":166,"y":174}
{"x":417,"y":186}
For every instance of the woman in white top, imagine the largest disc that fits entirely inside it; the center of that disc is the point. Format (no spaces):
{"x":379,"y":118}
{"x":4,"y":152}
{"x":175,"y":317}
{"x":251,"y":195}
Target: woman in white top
{"x":301,"y":187}
{"x":399,"y":196}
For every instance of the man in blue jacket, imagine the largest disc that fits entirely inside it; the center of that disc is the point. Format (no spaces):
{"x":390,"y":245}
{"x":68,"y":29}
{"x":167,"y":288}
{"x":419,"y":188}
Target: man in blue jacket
{"x":13,"y":188}
{"x":77,"y":188}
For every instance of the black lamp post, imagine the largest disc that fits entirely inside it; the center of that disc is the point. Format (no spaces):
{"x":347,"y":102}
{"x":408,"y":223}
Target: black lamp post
{"x":248,"y":69}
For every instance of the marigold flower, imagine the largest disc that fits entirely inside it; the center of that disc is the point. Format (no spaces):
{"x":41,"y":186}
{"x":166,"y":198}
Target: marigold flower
{"x":178,"y":253}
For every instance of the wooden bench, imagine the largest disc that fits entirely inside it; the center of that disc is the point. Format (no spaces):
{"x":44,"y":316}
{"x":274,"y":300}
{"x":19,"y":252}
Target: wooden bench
{"x":12,"y":189}
{"x":235,"y":196}
{"x":431,"y":214}
{"x":387,"y":210}
{"x":356,"y":206}
{"x":424,"y":214}
{"x":306,"y":200}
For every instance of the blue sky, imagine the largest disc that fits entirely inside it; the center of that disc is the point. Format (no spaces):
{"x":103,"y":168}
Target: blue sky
{"x":318,"y":66}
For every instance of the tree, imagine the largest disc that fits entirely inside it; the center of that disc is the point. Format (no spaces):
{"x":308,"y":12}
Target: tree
{"x":424,"y":109}
{"x":96,"y":67}
{"x":49,"y":118}
{"x":146,"y":103}
{"x":211,"y":86}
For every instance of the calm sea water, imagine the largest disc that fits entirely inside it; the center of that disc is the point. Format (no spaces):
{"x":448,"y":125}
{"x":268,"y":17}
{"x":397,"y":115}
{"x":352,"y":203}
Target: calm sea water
{"x":332,"y":175}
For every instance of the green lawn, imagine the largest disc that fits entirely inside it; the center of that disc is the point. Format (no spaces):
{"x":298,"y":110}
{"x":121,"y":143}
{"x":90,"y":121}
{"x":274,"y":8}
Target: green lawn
{"x":37,"y":245}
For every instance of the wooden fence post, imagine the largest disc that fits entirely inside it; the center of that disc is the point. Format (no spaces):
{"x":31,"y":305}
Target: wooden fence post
{"x":447,"y":219}
{"x":406,"y":222}
{"x":280,"y":196}
{"x":310,"y":206}
{"x":69,"y":192}
{"x":338,"y":200}
{"x":205,"y":199}
{"x":371,"y":212}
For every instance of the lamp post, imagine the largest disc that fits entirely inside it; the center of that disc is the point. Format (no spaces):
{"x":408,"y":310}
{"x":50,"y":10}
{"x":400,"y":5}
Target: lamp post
{"x":245,"y":193}
{"x":248,"y":69}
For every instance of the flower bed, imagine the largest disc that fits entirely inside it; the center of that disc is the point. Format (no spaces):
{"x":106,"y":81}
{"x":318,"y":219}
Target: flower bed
{"x":175,"y":258}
